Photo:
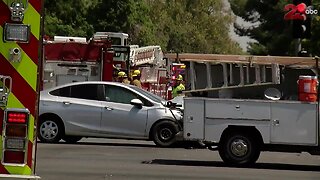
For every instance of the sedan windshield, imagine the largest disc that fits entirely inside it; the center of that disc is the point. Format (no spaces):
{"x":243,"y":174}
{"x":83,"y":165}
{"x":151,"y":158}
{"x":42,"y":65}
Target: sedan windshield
{"x":149,"y":95}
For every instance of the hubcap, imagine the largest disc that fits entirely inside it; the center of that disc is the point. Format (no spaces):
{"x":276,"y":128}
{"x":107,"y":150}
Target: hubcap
{"x":239,"y":147}
{"x":49,"y":130}
{"x":165,"y":134}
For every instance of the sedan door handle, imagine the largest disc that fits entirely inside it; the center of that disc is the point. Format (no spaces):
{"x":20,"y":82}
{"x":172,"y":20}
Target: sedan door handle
{"x":66,"y":103}
{"x":108,"y":108}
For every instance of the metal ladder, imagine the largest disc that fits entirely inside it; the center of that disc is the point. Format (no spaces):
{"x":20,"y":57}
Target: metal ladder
{"x":209,"y":72}
{"x":229,"y":75}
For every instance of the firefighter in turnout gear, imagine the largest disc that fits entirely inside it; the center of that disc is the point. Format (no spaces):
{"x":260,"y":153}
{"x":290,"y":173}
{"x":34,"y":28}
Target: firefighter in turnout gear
{"x":178,"y":87}
{"x":136,"y":78}
{"x":123,"y":78}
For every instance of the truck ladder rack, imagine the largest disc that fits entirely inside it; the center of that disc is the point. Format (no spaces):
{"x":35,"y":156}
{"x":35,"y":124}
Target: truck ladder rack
{"x":210,"y":72}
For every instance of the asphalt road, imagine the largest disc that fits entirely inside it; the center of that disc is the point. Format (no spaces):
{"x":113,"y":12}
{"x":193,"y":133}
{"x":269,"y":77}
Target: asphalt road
{"x":98,"y":159}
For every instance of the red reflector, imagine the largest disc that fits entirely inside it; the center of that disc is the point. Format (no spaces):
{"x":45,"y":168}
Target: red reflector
{"x":16,"y":117}
{"x":16,"y":157}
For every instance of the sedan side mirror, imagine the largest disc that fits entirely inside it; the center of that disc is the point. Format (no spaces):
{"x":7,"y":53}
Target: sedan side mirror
{"x":136,"y":102}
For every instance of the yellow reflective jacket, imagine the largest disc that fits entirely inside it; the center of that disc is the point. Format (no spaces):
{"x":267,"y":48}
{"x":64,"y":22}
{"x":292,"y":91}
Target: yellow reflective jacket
{"x":176,"y":91}
{"x":126,"y":81}
{"x":137,"y":83}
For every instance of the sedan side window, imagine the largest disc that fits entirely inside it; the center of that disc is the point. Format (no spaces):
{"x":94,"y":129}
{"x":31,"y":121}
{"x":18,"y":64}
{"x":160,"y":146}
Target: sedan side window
{"x":63,"y":92}
{"x":119,"y":95}
{"x":85,"y":91}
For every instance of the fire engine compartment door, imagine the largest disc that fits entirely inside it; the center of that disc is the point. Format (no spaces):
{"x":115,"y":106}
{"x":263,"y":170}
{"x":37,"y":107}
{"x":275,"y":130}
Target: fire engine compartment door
{"x":294,"y":123}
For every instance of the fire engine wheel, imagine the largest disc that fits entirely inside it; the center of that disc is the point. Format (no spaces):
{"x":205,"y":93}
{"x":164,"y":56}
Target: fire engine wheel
{"x":164,"y":133}
{"x":71,"y":139}
{"x":50,"y":131}
{"x":239,"y":149}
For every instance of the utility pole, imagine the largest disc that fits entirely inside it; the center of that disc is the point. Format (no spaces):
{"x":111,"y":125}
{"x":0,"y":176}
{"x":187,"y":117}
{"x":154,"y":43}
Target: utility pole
{"x":297,"y":48}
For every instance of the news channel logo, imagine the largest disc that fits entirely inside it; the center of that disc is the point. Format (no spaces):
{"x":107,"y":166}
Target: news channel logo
{"x":299,"y":12}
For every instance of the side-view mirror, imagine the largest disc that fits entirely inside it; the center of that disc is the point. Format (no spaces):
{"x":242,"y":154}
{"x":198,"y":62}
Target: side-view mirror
{"x":169,"y":104}
{"x":136,"y":102}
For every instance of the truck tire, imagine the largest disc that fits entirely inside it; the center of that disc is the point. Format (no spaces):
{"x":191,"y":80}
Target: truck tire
{"x":72,"y":139}
{"x":50,"y":131}
{"x":164,"y":133}
{"x":239,"y":149}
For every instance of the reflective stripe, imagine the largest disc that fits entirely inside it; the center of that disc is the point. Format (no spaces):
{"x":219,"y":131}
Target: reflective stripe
{"x":33,"y":17}
{"x":24,"y":170}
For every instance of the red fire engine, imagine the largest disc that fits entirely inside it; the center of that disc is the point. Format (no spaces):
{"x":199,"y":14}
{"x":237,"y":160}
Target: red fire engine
{"x":71,"y":59}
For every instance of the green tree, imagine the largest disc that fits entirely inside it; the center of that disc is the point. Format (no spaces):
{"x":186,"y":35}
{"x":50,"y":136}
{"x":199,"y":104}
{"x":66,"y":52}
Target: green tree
{"x":199,"y":26}
{"x":67,"y":18}
{"x":129,"y":16}
{"x":193,"y":26}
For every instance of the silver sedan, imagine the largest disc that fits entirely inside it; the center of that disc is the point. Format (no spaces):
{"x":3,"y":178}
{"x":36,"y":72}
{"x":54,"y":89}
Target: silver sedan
{"x":106,"y":109}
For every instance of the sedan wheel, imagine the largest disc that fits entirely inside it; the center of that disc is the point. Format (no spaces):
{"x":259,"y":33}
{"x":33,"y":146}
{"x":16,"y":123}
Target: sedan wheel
{"x":50,"y":131}
{"x":164,"y":134}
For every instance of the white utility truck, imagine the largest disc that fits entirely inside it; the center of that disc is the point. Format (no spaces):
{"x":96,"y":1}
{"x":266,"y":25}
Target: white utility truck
{"x":240,"y":127}
{"x":243,"y":128}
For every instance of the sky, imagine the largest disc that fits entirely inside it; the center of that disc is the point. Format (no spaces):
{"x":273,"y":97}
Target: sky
{"x":242,"y":40}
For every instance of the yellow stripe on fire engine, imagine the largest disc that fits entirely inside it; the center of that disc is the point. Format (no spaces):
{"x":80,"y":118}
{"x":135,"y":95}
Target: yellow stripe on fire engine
{"x":23,"y":170}
{"x":24,"y":67}
{"x":32,"y":17}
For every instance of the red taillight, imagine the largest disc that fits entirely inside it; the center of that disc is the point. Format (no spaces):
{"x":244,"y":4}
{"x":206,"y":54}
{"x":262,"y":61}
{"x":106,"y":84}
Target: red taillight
{"x":17,"y":117}
{"x":15,"y":136}
{"x":16,"y":157}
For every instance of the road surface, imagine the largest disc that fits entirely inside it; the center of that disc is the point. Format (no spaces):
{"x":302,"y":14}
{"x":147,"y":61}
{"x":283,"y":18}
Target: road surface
{"x":99,"y":159}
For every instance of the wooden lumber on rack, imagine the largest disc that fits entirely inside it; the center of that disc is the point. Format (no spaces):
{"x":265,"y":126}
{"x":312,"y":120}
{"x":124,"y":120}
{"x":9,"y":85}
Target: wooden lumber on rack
{"x":294,"y":62}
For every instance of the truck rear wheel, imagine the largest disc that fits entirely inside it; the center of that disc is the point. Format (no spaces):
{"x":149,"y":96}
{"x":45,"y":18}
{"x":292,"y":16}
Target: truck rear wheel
{"x":239,"y":149}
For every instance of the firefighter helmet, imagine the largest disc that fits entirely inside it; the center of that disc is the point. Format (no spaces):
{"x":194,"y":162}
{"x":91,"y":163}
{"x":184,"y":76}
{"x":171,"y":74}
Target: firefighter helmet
{"x":136,"y":72}
{"x":121,"y":74}
{"x":179,"y":78}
